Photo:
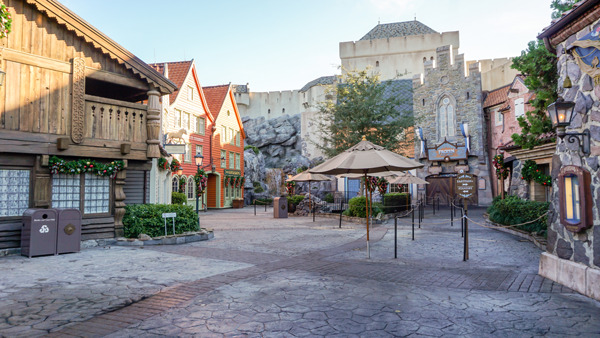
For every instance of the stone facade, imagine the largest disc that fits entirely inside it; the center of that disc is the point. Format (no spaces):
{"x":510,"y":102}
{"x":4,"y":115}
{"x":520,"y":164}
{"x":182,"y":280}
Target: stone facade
{"x":445,"y":79}
{"x":573,"y":258}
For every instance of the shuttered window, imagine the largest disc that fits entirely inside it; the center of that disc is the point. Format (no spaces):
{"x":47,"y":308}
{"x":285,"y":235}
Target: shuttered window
{"x":136,"y":188}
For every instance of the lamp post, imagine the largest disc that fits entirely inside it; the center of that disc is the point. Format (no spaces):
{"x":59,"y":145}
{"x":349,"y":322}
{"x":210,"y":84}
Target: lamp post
{"x":198,"y":158}
{"x":561,"y":114}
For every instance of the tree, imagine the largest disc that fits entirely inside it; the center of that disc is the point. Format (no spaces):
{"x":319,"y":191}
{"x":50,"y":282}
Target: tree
{"x":363,"y":106}
{"x":561,"y":6}
{"x":539,"y":67}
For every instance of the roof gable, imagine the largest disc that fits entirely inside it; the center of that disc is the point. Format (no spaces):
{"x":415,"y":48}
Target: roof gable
{"x":496,"y":96}
{"x":177,"y":72}
{"x":216,"y":96}
{"x":72,"y":22}
{"x":397,"y":29}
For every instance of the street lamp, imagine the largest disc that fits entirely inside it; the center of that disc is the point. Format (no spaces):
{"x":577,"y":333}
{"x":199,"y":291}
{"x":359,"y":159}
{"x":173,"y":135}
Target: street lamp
{"x":198,"y":158}
{"x":561,"y":114}
{"x":180,"y":171}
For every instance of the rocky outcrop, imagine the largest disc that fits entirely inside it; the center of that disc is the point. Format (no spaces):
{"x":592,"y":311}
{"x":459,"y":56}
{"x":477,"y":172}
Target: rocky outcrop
{"x":278,"y":139}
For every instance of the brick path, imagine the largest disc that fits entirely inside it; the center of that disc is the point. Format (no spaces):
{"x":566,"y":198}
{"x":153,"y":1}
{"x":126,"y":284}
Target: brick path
{"x":331,"y":289}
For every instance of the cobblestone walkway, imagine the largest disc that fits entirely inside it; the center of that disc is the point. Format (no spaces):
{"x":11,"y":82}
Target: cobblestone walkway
{"x":292,"y":277}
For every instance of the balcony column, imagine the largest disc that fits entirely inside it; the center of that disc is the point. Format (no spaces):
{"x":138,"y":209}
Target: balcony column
{"x":153,"y":124}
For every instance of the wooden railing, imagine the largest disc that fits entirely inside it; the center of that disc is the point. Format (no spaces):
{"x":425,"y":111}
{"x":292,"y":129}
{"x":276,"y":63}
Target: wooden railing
{"x":109,"y":119}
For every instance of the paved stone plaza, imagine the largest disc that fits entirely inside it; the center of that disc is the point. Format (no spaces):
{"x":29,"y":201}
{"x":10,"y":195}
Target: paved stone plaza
{"x":290,"y":277}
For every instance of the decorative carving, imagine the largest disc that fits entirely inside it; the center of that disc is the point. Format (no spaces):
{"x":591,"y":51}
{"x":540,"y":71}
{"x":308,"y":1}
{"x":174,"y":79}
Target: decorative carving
{"x":153,"y":124}
{"x":69,"y":229}
{"x":120,"y":201}
{"x":78,"y":101}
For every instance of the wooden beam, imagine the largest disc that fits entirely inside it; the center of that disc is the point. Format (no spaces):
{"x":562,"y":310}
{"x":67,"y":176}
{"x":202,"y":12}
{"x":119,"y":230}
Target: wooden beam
{"x":103,"y":75}
{"x":104,"y":100}
{"x":36,"y":60}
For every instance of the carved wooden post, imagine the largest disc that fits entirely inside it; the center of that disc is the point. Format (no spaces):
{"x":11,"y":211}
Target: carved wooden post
{"x":120,"y":201}
{"x":78,"y":101}
{"x":153,"y":124}
{"x":42,"y":183}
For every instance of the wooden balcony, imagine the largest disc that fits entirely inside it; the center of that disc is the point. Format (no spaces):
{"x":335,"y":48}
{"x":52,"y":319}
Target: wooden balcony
{"x":108,"y":119}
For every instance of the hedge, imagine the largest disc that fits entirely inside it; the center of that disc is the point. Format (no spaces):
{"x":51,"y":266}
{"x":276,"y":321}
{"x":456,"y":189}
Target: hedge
{"x":147,"y":219}
{"x":178,"y":198}
{"x":513,"y":210}
{"x":357,"y":208}
{"x":396,"y":201}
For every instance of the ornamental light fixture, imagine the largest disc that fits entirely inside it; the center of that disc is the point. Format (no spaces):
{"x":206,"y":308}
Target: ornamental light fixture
{"x":198,"y":158}
{"x":180,"y":171}
{"x":561,"y":114}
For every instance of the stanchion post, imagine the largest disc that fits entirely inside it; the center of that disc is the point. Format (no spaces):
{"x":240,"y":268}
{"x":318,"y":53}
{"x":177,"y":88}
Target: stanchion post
{"x":254,"y":207}
{"x":462,"y":223}
{"x":341,"y":212}
{"x":451,"y":218}
{"x":395,"y":236}
{"x":313,"y":210}
{"x":466,"y":251}
{"x":420,"y":213}
{"x":266,"y":206}
{"x":433,"y":205}
{"x":413,"y":231}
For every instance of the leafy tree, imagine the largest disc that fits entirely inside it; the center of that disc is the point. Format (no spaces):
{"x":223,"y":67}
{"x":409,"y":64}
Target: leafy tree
{"x":539,"y":67}
{"x":362,"y":107}
{"x":561,"y":6}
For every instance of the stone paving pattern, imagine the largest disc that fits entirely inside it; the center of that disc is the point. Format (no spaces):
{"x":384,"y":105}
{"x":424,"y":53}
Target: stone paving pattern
{"x":291,"y":277}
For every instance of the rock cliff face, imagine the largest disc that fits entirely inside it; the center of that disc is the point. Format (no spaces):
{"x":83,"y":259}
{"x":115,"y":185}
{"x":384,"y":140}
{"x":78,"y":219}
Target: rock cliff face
{"x":278,"y":139}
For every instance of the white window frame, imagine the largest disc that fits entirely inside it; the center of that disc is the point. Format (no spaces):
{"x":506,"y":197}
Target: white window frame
{"x":188,"y":153}
{"x":519,"y":107}
{"x":231,"y":160}
{"x":498,"y":118}
{"x":191,"y":187}
{"x":200,"y":125}
{"x":190,"y":90}
{"x":223,"y":159}
{"x":87,"y":192}
{"x":178,"y":118}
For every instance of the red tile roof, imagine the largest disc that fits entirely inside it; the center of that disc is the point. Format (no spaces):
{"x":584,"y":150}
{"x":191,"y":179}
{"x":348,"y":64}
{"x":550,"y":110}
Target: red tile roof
{"x":496,"y":96}
{"x":215,"y":97}
{"x":177,"y":72}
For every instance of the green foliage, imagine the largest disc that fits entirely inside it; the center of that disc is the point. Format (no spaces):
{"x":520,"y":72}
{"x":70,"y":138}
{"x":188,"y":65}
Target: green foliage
{"x":147,"y":219}
{"x":301,"y":169}
{"x":531,"y":172}
{"x":178,"y":198}
{"x":539,"y":67}
{"x":396,"y":201}
{"x":262,"y":201}
{"x":361,"y":108}
{"x":357,"y":208}
{"x":58,"y":165}
{"x":328,"y":198}
{"x":295,"y":199}
{"x":561,"y":6}
{"x":255,"y":149}
{"x":257,"y":187}
{"x":5,"y":22}
{"x":513,"y":210}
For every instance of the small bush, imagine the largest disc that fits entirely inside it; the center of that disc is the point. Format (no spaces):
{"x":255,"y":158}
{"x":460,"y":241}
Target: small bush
{"x":357,"y":207}
{"x":396,"y":202}
{"x":178,"y":198}
{"x":147,"y":219}
{"x":328,"y":198}
{"x":257,"y":187}
{"x":262,"y":201}
{"x":255,"y":149}
{"x":513,"y":210}
{"x":296,"y":199}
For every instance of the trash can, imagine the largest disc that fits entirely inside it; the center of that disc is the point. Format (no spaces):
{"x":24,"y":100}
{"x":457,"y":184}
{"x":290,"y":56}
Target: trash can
{"x":38,"y":233}
{"x":69,"y":231}
{"x":280,"y":207}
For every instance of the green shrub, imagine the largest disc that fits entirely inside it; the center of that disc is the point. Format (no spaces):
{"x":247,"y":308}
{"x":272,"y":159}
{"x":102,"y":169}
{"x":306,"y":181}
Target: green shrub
{"x":257,"y":187}
{"x":255,"y":149}
{"x":178,"y":198}
{"x":396,"y":202}
{"x":328,"y":198}
{"x":296,"y":199}
{"x":513,"y":210}
{"x":357,"y":207}
{"x":147,"y":219}
{"x":262,"y":201}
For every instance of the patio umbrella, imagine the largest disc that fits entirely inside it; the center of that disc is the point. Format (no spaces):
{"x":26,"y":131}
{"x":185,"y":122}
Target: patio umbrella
{"x":365,"y":158}
{"x":307,"y":176}
{"x":407,"y":178}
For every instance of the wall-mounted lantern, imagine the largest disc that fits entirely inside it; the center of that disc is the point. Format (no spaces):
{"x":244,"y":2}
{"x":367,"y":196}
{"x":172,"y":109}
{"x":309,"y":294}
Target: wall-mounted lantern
{"x":561,"y":114}
{"x":575,"y":198}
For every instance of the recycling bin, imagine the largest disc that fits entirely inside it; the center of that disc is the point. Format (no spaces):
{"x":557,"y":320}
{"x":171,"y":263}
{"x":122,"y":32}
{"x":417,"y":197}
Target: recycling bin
{"x":280,"y":207}
{"x":69,"y":231}
{"x":38,"y":233}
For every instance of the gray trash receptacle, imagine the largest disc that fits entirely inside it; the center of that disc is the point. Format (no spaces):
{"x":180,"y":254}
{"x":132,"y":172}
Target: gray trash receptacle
{"x":38,"y":233}
{"x":69,"y":231}
{"x":280,"y":207}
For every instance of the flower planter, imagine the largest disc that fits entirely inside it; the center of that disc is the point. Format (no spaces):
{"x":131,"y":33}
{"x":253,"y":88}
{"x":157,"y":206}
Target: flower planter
{"x":237,"y":203}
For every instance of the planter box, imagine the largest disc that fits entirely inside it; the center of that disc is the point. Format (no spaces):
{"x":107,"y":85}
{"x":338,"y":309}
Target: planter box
{"x":237,"y":203}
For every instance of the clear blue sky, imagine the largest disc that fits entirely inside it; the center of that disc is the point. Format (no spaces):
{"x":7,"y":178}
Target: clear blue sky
{"x":281,"y":45}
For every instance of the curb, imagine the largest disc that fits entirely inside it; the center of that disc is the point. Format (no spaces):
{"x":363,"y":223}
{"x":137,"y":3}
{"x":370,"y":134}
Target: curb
{"x":188,"y":237}
{"x":540,"y":242}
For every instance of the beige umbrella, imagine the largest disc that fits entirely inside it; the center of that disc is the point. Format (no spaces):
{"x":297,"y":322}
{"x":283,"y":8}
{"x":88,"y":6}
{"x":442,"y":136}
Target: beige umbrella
{"x":364,"y":158}
{"x":407,"y":178}
{"x":307,"y":176}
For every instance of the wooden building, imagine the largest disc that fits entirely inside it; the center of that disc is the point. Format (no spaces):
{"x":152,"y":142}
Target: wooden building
{"x":72,"y":92}
{"x":225,"y":181}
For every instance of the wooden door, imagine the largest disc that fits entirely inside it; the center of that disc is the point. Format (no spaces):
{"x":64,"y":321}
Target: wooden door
{"x":440,"y":187}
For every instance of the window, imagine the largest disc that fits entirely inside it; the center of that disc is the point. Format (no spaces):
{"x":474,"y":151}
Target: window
{"x":177,"y":118}
{"x":186,"y":121}
{"x":376,"y":63}
{"x":190,"y":92}
{"x":227,"y":188}
{"x":66,"y":191}
{"x":283,"y":110}
{"x":446,"y":125}
{"x":191,"y":187}
{"x":188,"y":153}
{"x":194,"y":123}
{"x":231,"y":159}
{"x":97,"y":194}
{"x":175,"y":183}
{"x":165,"y":121}
{"x":223,"y":159}
{"x":237,"y":161}
{"x":200,"y":125}
{"x":14,"y":192}
{"x":575,"y":198}
{"x":223,"y":134}
{"x":519,"y":107}
{"x":237,"y":138}
{"x":199,"y":150}
{"x":268,"y":111}
{"x":231,"y":136}
{"x":499,"y":118}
